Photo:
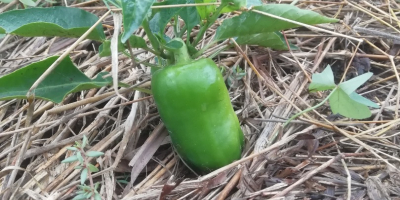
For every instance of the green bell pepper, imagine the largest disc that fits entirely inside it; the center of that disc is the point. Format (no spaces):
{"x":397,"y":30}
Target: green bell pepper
{"x":194,"y":104}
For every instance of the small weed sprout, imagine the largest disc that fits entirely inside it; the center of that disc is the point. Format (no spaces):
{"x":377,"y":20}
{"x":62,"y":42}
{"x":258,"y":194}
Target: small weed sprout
{"x":85,"y":192}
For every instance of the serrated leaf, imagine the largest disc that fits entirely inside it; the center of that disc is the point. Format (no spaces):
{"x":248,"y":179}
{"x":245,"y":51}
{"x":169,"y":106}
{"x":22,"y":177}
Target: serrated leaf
{"x":249,"y":23}
{"x":63,"y":80}
{"x":351,"y":85}
{"x":70,"y":159}
{"x":28,"y":2}
{"x":134,"y":12}
{"x":274,"y":40}
{"x":341,"y":103}
{"x":53,"y":21}
{"x":363,"y":100}
{"x":163,"y":15}
{"x":322,"y":81}
{"x":93,"y":168}
{"x":190,"y":16}
{"x":134,"y":41}
{"x":205,"y":11}
{"x":84,"y":175}
{"x":94,"y":153}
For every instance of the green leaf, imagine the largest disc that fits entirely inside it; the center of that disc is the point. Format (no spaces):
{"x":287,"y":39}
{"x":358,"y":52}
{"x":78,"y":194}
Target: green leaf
{"x":80,"y":158}
{"x":249,"y":22}
{"x":135,"y":42}
{"x":360,"y":99}
{"x":70,"y":159}
{"x":53,"y":21}
{"x":84,"y":175}
{"x":190,"y":16}
{"x":93,"y":168}
{"x":173,"y":45}
{"x":236,"y":75}
{"x":77,"y":144}
{"x":274,"y":40}
{"x":80,"y":191}
{"x":341,"y":103}
{"x":163,"y":15}
{"x":134,"y":12}
{"x":84,"y":141}
{"x":253,"y":3}
{"x":80,"y":197}
{"x":63,"y":80}
{"x":72,"y":148}
{"x":89,"y":194}
{"x":205,"y":11}
{"x":94,"y":153}
{"x":97,"y":196}
{"x":6,"y":1}
{"x":351,"y":85}
{"x":78,"y":167}
{"x":28,"y":2}
{"x":84,"y":187}
{"x":233,"y":5}
{"x":322,"y":81}
{"x":96,"y":186}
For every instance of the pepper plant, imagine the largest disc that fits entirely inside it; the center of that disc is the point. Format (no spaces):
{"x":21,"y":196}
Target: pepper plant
{"x":189,"y":91}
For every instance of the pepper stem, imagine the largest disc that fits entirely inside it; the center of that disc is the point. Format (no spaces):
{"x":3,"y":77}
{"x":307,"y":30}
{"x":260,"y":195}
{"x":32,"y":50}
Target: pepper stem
{"x":180,"y":54}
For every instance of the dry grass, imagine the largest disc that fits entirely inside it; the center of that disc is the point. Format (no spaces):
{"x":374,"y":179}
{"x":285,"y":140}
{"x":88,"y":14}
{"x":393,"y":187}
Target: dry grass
{"x":318,"y":156}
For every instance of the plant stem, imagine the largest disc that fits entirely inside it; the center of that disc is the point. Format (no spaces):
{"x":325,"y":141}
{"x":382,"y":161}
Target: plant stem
{"x":188,"y":37}
{"x":176,"y":26}
{"x":153,"y":40}
{"x":309,"y":109}
{"x":140,"y":61}
{"x":209,"y":22}
{"x":152,"y":51}
{"x":181,"y":55}
{"x":217,"y":52}
{"x":182,"y":32}
{"x":201,"y":51}
{"x":300,"y":113}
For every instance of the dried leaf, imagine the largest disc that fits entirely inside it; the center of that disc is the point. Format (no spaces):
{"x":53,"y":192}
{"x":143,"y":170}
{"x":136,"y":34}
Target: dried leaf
{"x":312,"y":146}
{"x":394,"y":50}
{"x":247,"y":183}
{"x":305,"y":136}
{"x":212,"y":183}
{"x":362,"y":65}
{"x":169,"y":186}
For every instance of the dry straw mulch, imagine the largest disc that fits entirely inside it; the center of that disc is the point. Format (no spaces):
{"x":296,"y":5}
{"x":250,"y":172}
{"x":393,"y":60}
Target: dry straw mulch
{"x":310,"y":159}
